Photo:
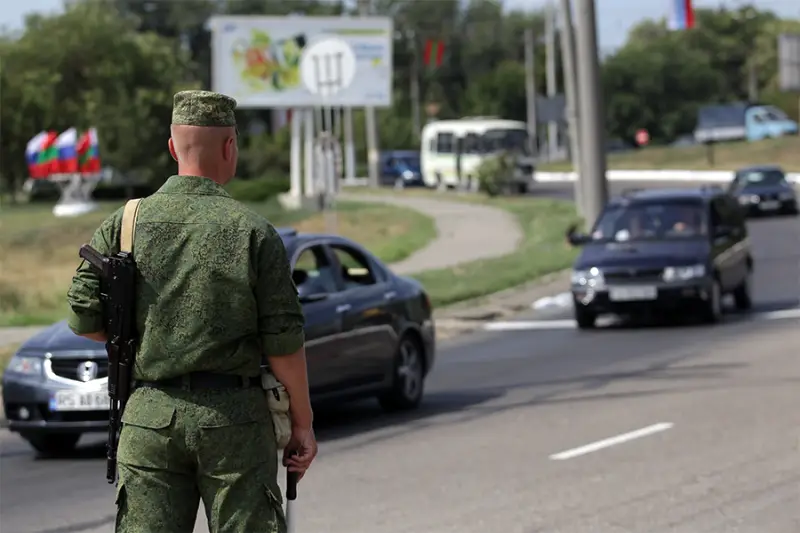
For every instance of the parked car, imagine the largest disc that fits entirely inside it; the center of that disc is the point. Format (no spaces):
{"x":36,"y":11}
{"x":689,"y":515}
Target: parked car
{"x":400,"y":169}
{"x":764,"y":190}
{"x":656,"y":251}
{"x":369,"y":332}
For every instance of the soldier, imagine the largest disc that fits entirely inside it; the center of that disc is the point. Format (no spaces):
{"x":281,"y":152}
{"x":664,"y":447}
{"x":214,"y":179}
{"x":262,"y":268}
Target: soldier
{"x":214,"y":298}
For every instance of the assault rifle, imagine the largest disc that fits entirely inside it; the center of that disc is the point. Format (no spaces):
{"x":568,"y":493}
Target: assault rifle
{"x":118,"y":283}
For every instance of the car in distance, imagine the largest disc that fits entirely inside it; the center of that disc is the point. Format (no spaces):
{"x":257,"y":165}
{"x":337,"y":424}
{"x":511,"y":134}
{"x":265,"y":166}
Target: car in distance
{"x":369,"y":332}
{"x":660,"y":251}
{"x":400,"y":169}
{"x":764,"y":190}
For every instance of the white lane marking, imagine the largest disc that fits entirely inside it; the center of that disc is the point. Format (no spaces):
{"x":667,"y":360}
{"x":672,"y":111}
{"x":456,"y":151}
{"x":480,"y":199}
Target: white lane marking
{"x":522,"y":325}
{"x":563,"y":299}
{"x":531,"y":325}
{"x":612,"y":441}
{"x":778,"y":315}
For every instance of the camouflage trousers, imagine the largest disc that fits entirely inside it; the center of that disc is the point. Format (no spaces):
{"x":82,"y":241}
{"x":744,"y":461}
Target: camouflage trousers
{"x":180,"y":447}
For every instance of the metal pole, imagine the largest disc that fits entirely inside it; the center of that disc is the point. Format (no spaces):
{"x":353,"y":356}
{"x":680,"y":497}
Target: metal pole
{"x":415,"y":96}
{"x":530,"y":91}
{"x":550,"y":48}
{"x":369,"y":115}
{"x":567,"y":34}
{"x":592,"y":119}
{"x":349,"y":147}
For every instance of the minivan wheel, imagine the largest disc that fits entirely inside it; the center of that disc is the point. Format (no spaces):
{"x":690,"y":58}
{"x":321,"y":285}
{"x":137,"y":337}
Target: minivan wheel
{"x":409,"y":378}
{"x":55,"y":444}
{"x":741,"y":296}
{"x":713,"y":307}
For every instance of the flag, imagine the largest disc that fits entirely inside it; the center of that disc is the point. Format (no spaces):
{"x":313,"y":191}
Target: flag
{"x":33,"y":153}
{"x":47,"y":159}
{"x":66,"y":144}
{"x":682,"y":15}
{"x":88,"y":153}
{"x":434,"y":52}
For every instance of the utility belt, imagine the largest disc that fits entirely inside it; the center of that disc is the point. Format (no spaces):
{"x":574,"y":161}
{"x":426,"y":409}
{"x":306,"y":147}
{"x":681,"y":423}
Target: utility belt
{"x":277,"y":395}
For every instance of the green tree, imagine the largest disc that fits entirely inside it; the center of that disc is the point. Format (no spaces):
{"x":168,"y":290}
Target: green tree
{"x":88,"y":67}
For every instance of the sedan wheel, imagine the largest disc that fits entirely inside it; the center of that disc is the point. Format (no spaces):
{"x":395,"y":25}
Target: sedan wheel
{"x":409,"y":378}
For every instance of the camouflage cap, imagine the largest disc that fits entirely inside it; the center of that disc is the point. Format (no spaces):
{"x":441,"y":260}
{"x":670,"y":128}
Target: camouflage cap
{"x":203,"y":108}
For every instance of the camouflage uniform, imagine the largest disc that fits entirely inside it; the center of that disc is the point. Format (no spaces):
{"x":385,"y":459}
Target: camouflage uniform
{"x":214,"y":295}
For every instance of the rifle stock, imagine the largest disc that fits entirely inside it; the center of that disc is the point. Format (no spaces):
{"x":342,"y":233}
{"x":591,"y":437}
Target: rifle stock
{"x":118,"y":291}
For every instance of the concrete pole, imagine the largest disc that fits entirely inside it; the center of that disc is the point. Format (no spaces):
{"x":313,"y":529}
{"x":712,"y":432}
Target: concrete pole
{"x":567,"y":34}
{"x":552,"y":86}
{"x":371,"y":125}
{"x":530,"y":91}
{"x":591,"y":111}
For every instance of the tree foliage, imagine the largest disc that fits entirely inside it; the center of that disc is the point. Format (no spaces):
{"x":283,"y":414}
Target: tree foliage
{"x":114,"y":64}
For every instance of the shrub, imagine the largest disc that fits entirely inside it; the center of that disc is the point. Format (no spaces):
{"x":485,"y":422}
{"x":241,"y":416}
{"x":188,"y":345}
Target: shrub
{"x":495,"y":174}
{"x":257,"y":190}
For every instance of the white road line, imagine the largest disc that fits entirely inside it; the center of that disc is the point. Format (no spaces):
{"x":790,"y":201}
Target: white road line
{"x":613,"y":441}
{"x":522,"y":325}
{"x":530,"y":325}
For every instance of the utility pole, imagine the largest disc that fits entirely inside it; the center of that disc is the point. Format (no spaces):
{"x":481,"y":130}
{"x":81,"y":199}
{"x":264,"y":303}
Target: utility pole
{"x":530,"y":91}
{"x":592,"y":117}
{"x":550,"y":43}
{"x":415,"y":96}
{"x":369,"y":114}
{"x":567,"y":34}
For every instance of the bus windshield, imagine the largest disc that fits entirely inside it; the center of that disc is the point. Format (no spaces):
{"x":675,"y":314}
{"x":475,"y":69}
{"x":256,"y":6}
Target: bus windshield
{"x":514,"y":140}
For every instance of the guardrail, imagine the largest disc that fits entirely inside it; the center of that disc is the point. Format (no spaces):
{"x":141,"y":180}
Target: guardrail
{"x":709,"y":176}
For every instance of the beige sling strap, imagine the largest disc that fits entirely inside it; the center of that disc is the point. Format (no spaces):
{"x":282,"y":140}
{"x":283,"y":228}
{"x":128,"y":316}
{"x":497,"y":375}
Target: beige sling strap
{"x":129,"y":225}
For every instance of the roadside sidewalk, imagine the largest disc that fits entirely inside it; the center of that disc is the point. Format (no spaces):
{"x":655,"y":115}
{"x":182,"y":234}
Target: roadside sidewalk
{"x":466,"y":232}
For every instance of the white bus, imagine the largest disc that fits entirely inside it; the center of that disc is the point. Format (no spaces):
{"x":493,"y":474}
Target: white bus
{"x":452,"y":150}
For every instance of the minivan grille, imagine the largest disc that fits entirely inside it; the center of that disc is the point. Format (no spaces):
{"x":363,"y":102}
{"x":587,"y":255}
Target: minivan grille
{"x":634,"y":275}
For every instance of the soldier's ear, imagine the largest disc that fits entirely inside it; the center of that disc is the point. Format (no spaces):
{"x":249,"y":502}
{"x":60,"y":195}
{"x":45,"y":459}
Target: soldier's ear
{"x":172,"y":151}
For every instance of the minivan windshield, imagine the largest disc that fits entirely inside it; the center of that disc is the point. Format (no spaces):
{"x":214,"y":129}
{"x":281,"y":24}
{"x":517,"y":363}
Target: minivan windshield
{"x":651,"y":221}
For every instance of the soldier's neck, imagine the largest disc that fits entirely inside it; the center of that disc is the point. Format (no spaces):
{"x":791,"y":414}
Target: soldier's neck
{"x":191,"y":170}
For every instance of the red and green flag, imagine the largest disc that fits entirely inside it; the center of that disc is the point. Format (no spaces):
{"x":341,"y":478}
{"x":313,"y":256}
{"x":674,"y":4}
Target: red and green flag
{"x":434,"y":53}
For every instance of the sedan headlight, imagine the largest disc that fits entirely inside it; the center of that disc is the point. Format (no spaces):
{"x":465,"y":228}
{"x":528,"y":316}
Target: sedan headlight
{"x":684,"y":273}
{"x":591,"y":278}
{"x":749,"y":199}
{"x":29,"y":366}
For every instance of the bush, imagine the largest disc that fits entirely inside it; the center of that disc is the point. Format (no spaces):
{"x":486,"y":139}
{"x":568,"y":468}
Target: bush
{"x":257,"y":190}
{"x":495,"y":174}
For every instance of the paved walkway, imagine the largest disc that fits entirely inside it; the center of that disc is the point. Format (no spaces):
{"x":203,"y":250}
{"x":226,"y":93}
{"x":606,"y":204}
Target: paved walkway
{"x":466,"y":232}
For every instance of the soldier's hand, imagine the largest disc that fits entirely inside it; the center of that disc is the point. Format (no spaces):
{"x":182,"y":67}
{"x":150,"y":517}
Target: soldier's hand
{"x":300,"y":451}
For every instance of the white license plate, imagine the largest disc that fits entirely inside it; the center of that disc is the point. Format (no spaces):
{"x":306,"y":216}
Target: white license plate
{"x":769,"y":206}
{"x":67,"y":400}
{"x":628,"y":294}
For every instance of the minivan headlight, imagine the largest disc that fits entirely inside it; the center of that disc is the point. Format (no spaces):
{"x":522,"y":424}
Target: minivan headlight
{"x":29,"y":366}
{"x":592,"y":277}
{"x":684,"y":272}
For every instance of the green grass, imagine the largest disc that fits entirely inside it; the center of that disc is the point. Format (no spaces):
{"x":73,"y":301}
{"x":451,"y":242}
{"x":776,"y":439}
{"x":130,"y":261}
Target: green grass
{"x":39,"y":252}
{"x":6,"y":352}
{"x":728,"y":156}
{"x":543,"y":249}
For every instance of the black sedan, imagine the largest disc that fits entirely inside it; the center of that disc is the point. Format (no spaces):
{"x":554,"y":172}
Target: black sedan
{"x":764,"y":190}
{"x":369,"y":332}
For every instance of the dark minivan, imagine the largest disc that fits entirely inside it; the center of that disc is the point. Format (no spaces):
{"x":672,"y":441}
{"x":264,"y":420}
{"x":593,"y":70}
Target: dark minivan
{"x":655,"y":251}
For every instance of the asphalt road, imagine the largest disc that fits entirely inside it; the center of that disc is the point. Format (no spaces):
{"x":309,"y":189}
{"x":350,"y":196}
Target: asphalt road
{"x":627,"y":429}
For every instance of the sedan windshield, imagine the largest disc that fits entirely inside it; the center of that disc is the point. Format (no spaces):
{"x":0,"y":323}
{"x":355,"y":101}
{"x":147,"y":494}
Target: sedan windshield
{"x":651,"y":221}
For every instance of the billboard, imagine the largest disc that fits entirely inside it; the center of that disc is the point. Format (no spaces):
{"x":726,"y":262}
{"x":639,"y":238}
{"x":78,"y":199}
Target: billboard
{"x":298,"y":61}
